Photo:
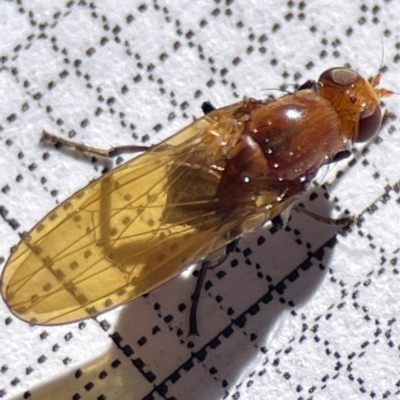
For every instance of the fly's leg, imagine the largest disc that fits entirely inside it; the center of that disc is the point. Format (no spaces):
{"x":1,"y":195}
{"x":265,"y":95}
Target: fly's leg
{"x":207,"y":107}
{"x":342,"y":155}
{"x":205,"y":266}
{"x":320,"y":218}
{"x":114,"y":151}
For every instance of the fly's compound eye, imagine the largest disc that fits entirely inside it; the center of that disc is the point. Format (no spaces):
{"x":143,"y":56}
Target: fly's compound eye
{"x":339,"y":76}
{"x":369,"y":126}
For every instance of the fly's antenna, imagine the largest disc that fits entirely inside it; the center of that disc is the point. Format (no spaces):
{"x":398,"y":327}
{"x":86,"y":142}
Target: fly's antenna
{"x":282,"y":89}
{"x":375,"y":79}
{"x":380,"y":70}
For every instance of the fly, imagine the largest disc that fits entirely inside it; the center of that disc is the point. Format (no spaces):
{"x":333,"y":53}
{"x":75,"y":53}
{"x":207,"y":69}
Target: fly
{"x":225,"y":175}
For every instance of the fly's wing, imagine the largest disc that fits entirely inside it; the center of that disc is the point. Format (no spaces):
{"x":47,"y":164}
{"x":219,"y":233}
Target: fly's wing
{"x":127,"y":232}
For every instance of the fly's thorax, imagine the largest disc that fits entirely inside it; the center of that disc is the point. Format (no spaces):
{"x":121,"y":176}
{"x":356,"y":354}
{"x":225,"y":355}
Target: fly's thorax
{"x":282,"y":145}
{"x":294,"y":134}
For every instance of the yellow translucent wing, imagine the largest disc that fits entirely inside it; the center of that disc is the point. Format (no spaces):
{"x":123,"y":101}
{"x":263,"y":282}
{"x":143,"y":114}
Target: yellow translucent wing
{"x":131,"y":230}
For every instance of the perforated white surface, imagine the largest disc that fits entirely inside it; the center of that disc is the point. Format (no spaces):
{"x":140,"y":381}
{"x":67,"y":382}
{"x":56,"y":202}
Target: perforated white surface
{"x":301,"y":313}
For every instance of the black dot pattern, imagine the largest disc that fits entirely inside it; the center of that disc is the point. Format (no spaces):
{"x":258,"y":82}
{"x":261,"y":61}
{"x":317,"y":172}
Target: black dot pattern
{"x":307,"y":311}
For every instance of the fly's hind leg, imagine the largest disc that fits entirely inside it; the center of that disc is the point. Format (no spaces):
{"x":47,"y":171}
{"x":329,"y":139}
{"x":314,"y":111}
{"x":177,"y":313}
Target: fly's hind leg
{"x":114,"y":151}
{"x":326,"y":220}
{"x":205,"y":266}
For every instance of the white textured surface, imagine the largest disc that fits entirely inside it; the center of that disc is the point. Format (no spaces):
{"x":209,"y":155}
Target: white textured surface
{"x":342,"y":339}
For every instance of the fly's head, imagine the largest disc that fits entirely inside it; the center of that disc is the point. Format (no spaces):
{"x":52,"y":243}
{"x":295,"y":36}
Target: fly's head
{"x":356,"y":101}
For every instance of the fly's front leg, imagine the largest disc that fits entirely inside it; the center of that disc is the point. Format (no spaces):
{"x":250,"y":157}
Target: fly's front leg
{"x":207,"y":107}
{"x":205,"y":266}
{"x":114,"y":151}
